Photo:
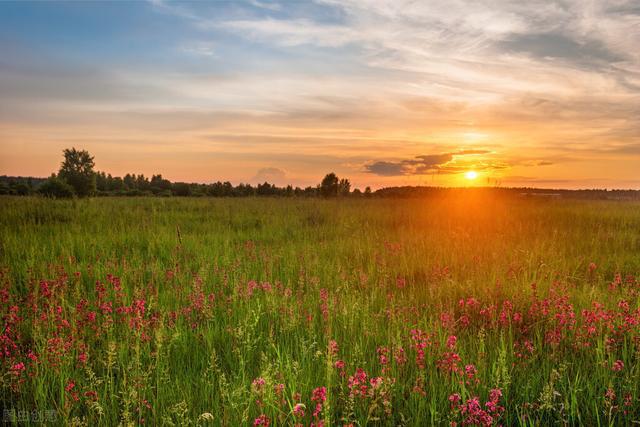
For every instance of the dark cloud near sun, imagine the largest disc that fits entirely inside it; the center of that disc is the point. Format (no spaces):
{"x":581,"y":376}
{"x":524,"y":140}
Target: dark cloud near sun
{"x":426,"y":164}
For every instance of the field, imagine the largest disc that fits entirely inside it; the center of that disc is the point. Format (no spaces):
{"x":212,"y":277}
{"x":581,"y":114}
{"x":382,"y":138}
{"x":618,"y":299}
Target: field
{"x":469,"y":309}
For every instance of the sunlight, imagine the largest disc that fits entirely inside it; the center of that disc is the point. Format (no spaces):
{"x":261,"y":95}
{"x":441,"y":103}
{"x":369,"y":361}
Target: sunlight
{"x":471,"y":175}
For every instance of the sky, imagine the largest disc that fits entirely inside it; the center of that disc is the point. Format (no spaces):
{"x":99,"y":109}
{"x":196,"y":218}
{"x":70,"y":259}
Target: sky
{"x":384,"y":92}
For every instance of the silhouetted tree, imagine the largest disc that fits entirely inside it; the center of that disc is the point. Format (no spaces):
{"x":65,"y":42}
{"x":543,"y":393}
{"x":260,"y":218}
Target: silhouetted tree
{"x":329,"y":185}
{"x":344,"y":187}
{"x":77,"y":171}
{"x":367,"y":191}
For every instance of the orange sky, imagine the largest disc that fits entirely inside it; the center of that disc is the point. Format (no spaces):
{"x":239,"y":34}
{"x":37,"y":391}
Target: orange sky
{"x":385,"y":93}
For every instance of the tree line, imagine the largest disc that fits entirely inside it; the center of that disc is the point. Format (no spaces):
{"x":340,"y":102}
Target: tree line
{"x":77,"y":178}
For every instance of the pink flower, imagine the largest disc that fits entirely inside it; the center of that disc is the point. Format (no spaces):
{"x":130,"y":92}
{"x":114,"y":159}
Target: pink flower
{"x":358,"y":383}
{"x":375,"y":382}
{"x":618,"y":365}
{"x":400,"y":356}
{"x":333,"y":348}
{"x":454,"y":399}
{"x":17,"y":368}
{"x":298,"y":410}
{"x":470,"y":370}
{"x":382,"y":355}
{"x":610,"y":394}
{"x":319,"y":394}
{"x":451,"y":341}
{"x":262,"y":420}
{"x":258,"y":384}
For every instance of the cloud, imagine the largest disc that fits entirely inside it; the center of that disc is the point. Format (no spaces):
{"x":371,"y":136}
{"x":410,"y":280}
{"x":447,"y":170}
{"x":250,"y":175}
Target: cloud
{"x":428,"y":164}
{"x":294,"y":32}
{"x":270,"y":174}
{"x":556,"y":45}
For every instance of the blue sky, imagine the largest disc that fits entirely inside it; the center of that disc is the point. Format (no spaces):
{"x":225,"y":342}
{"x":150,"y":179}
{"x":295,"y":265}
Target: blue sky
{"x":385,"y":92}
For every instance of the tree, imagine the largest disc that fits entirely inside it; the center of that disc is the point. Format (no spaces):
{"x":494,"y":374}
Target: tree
{"x":344,"y":187}
{"x":77,"y":171}
{"x":56,"y":188}
{"x":329,"y":185}
{"x":367,"y":191}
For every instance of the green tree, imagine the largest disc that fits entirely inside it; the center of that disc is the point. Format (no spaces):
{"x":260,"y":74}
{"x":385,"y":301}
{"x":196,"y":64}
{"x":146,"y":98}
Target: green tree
{"x":329,"y":185}
{"x":56,"y":188}
{"x":77,"y":171}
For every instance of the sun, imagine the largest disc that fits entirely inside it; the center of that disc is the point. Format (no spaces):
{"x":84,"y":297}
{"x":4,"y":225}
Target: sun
{"x":471,"y":175}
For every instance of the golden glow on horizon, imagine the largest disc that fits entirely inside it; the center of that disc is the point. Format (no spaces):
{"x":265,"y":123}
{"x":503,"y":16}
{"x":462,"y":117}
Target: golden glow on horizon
{"x":471,"y":175}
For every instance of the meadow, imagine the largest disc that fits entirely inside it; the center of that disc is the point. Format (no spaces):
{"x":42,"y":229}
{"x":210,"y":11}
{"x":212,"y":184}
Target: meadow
{"x":462,"y":309}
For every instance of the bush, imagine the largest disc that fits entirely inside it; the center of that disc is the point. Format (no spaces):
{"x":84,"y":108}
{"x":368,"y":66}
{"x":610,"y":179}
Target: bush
{"x":56,"y":188}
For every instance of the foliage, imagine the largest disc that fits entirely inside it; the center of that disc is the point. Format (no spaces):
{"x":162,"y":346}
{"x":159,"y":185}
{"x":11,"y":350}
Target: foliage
{"x":77,"y":171}
{"x":56,"y":188}
{"x":330,"y":185}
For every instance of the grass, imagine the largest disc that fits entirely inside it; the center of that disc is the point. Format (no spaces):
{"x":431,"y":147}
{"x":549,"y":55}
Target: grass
{"x":220,"y":311}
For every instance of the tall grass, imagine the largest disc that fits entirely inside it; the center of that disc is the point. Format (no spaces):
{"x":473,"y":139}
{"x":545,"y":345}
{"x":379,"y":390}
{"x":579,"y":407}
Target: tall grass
{"x":238,"y":311}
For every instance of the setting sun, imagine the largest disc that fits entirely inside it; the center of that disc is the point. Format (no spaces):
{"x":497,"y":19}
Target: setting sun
{"x":471,"y":175}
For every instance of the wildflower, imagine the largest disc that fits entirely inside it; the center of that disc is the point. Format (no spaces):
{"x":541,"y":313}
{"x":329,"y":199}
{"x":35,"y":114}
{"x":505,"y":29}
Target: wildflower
{"x":470,"y":371}
{"x":258,"y":384}
{"x":298,"y":410}
{"x":400,"y":356}
{"x":451,"y":342}
{"x":17,"y":369}
{"x":375,"y":382}
{"x":278,"y":389}
{"x":69,"y":389}
{"x":618,"y":365}
{"x":382,"y":355}
{"x":610,"y":394}
{"x":358,"y":383}
{"x":262,"y":420}
{"x":319,"y":394}
{"x":494,"y":397}
{"x":333,"y":348}
{"x":454,"y":399}
{"x":449,"y":362}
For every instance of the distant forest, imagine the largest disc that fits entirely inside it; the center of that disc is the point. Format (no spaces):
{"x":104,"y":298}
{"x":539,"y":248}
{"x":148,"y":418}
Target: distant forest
{"x":76,"y":178}
{"x":139,"y":185}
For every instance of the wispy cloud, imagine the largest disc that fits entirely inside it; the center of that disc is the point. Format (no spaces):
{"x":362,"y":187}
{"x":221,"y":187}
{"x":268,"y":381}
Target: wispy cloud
{"x":360,"y":86}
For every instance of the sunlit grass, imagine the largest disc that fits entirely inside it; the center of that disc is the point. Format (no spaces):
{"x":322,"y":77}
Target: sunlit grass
{"x":224,"y":311}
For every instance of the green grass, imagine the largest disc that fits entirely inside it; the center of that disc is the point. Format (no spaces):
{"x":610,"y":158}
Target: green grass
{"x":332,"y":268}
